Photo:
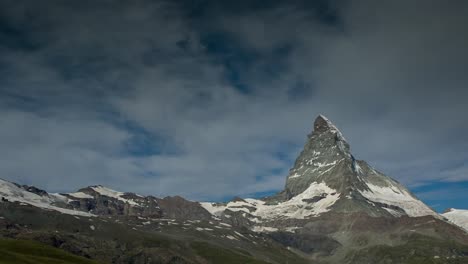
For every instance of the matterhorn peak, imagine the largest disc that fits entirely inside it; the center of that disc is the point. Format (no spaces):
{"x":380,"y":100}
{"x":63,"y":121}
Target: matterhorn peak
{"x":326,"y":132}
{"x":323,"y":124}
{"x":327,"y":159}
{"x":325,"y":153}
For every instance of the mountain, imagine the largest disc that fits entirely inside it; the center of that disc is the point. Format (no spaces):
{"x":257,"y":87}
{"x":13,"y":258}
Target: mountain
{"x":116,"y":227}
{"x":327,"y":178}
{"x":333,"y":209}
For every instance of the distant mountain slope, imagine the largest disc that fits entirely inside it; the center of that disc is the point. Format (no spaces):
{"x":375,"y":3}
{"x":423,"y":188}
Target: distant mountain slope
{"x":115,"y":227}
{"x":31,"y":195}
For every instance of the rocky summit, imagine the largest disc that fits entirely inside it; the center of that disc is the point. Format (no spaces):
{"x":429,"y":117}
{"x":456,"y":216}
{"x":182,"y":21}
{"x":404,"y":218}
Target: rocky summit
{"x":333,"y":209}
{"x":358,"y":187}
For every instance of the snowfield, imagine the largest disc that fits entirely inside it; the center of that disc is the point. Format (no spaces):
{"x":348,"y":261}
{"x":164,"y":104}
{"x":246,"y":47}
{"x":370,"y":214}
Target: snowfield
{"x":392,"y":195}
{"x":296,"y":208}
{"x":458,"y":217}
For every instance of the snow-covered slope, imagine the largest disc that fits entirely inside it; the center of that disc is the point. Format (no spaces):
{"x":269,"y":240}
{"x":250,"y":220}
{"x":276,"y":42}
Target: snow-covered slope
{"x":314,"y":200}
{"x":458,"y":217}
{"x":14,"y":193}
{"x":396,"y":197}
{"x":65,"y":201}
{"x":98,"y":200}
{"x":80,"y":195}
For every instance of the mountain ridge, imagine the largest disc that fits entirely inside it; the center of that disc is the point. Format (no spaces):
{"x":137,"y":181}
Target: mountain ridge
{"x":333,"y":208}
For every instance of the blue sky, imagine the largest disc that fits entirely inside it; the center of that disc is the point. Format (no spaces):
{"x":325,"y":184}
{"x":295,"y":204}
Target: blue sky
{"x":213,"y":100}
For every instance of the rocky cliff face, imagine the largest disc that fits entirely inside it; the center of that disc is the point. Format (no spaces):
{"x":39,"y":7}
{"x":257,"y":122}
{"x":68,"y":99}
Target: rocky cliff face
{"x":100,"y":200}
{"x":325,"y":152}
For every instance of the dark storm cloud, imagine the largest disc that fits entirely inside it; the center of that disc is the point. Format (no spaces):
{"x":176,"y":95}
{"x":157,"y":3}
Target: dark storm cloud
{"x":158,"y":97}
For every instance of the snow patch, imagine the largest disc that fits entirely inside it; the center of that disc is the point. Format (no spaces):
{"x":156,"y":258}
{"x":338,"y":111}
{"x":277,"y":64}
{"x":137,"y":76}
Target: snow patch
{"x":357,"y":168}
{"x":320,"y":165}
{"x":239,"y":234}
{"x":291,"y":229}
{"x":295,"y":175}
{"x":203,"y":229}
{"x":113,"y":194}
{"x":262,"y":229}
{"x":213,"y":208}
{"x":80,"y":195}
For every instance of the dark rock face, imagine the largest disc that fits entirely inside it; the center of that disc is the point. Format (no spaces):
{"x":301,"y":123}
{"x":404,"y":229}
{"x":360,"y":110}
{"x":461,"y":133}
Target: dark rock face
{"x":130,"y":204}
{"x":34,"y":190}
{"x":237,"y":218}
{"x":315,"y":198}
{"x":325,"y":155}
{"x":100,"y":204}
{"x":179,"y":208}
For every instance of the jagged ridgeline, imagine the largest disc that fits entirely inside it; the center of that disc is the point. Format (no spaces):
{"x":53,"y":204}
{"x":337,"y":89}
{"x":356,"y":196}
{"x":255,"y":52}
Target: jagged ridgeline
{"x":333,"y":209}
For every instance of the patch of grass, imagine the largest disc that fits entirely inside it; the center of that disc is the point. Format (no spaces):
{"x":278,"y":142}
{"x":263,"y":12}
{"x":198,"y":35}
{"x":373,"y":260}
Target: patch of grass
{"x":220,"y":255}
{"x":419,"y":250}
{"x":25,"y":251}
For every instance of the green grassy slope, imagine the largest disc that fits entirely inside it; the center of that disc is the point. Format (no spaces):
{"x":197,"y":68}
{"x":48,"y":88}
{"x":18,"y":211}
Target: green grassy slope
{"x":24,"y":251}
{"x":418,"y":250}
{"x":220,"y":255}
{"x":123,"y":240}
